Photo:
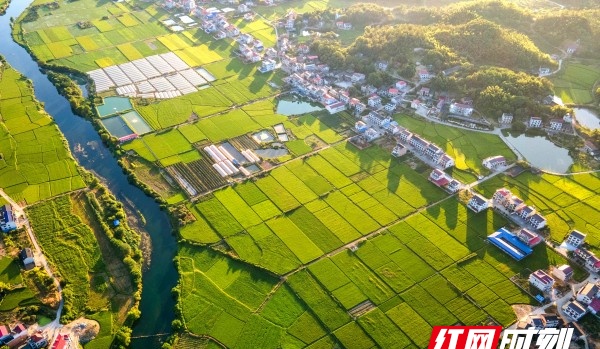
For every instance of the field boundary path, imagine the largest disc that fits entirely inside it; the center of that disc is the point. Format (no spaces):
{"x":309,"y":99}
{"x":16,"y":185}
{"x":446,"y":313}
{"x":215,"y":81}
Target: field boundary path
{"x":39,"y":256}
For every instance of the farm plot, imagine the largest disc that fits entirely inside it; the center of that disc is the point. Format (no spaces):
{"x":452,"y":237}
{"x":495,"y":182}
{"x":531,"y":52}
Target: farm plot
{"x":71,"y":246}
{"x":219,"y":296}
{"x":36,"y":163}
{"x":575,"y":82}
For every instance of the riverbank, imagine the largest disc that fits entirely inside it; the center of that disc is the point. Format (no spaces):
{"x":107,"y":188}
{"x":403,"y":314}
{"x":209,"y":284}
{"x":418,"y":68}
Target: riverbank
{"x":88,"y":148}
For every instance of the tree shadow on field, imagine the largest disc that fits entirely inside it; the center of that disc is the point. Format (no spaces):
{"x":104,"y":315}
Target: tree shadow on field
{"x":101,"y":3}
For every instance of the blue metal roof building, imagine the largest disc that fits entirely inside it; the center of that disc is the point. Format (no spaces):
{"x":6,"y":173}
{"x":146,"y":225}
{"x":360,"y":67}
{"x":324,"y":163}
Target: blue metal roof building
{"x":510,"y":244}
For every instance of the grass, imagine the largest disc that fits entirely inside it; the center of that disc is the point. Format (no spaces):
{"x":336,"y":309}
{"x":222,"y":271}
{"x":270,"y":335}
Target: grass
{"x":36,"y":163}
{"x":10,"y":272}
{"x":462,"y":145}
{"x":70,"y":246}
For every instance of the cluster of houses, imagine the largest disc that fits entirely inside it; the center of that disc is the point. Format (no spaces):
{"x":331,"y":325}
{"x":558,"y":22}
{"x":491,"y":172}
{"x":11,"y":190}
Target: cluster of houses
{"x":563,"y":124}
{"x":544,"y":321}
{"x":576,"y":239}
{"x":19,"y":338}
{"x":518,"y":244}
{"x":586,"y":299}
{"x":7,"y":219}
{"x":504,"y":200}
{"x":444,"y":181}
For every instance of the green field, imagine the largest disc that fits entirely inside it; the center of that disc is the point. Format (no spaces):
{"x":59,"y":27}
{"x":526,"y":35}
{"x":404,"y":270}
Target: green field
{"x":35,"y":163}
{"x":433,"y":267}
{"x":575,"y":82}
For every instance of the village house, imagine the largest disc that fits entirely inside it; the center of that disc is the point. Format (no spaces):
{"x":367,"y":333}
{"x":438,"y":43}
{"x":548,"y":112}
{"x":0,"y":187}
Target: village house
{"x":506,"y":118}
{"x":399,"y":150}
{"x":377,"y":119}
{"x":267,"y":65}
{"x":62,"y":341}
{"x":588,"y":292}
{"x":433,"y":151}
{"x":494,"y":162}
{"x":541,"y":280}
{"x":556,"y":124}
{"x":392,"y":92}
{"x":439,"y":178}
{"x":535,"y":122}
{"x":446,"y":161}
{"x":401,"y":85}
{"x":368,"y":89}
{"x":591,"y":148}
{"x":243,"y":8}
{"x":382,"y":65}
{"x":543,"y":71}
{"x":336,"y":107}
{"x":27,"y":259}
{"x":576,"y":238}
{"x":405,"y":136}
{"x":7,"y":219}
{"x":390,"y":107}
{"x":454,"y":186}
{"x":360,"y":126}
{"x":415,"y":103}
{"x":525,"y":211}
{"x":563,"y":273}
{"x":371,"y":134}
{"x":359,"y":108}
{"x":461,"y":109}
{"x":574,"y":310}
{"x":529,"y":237}
{"x":477,"y":203}
{"x":424,"y":92}
{"x":536,"y":221}
{"x":424,"y":75}
{"x":343,"y":25}
{"x":374,"y":101}
{"x":594,"y":306}
{"x":418,"y":143}
{"x":357,"y":78}
{"x":589,"y":258}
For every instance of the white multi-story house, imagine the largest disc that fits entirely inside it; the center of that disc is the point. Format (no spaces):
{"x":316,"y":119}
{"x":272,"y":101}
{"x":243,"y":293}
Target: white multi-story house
{"x":576,"y":238}
{"x":477,"y":203}
{"x":564,"y":272}
{"x":535,"y":122}
{"x":506,"y":118}
{"x":588,"y":292}
{"x":493,"y":162}
{"x":556,"y":124}
{"x":461,"y":109}
{"x":574,"y":310}
{"x":541,"y":280}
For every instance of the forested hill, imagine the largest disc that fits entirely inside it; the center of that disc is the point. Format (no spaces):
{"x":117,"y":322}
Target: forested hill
{"x":489,"y":32}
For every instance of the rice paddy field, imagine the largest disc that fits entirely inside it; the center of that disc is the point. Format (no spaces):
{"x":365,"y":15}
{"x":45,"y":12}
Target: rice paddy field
{"x":425,"y":260}
{"x":35,"y":162}
{"x":575,"y":82}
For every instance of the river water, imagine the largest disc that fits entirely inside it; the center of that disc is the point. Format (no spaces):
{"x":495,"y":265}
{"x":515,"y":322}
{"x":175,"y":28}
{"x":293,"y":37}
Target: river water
{"x":157,"y":304}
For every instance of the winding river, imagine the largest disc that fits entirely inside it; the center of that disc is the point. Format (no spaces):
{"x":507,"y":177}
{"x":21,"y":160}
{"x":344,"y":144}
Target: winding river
{"x":157,"y":304}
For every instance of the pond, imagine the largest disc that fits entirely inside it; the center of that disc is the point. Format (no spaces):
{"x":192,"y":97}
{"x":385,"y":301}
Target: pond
{"x":285,"y":107}
{"x":587,"y":118}
{"x":537,"y":149}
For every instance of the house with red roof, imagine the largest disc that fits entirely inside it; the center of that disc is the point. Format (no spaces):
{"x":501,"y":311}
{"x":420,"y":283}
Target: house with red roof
{"x":61,"y":342}
{"x":541,"y":280}
{"x":594,"y":306}
{"x":529,"y":237}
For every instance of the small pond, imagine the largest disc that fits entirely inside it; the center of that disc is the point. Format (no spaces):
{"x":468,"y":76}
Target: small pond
{"x":541,"y":152}
{"x":296,"y":107}
{"x":587,"y":118}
